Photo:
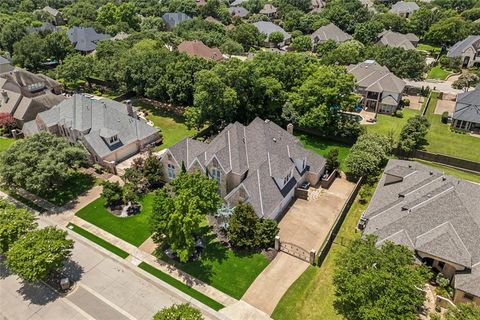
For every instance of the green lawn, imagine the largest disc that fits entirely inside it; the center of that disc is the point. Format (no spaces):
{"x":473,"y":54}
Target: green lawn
{"x":102,"y":243}
{"x":428,"y":48}
{"x":312,"y":295}
{"x":223,"y":268}
{"x":475,"y":177}
{"x":438,"y":73}
{"x":181,"y":286}
{"x":134,"y":229}
{"x":323,"y":146}
{"x":387,"y":123}
{"x":445,"y":141}
{"x":5,"y":143}
{"x":172,"y":127}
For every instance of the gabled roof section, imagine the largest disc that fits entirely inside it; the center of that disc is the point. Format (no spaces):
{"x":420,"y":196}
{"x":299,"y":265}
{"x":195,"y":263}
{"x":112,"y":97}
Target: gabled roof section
{"x":197,"y":48}
{"x":397,"y":40}
{"x":403,"y":6}
{"x":267,"y":27}
{"x":85,"y":39}
{"x":238,"y":11}
{"x":172,"y":19}
{"x":330,"y":32}
{"x":468,"y":106}
{"x":376,"y":78}
{"x":459,"y":48}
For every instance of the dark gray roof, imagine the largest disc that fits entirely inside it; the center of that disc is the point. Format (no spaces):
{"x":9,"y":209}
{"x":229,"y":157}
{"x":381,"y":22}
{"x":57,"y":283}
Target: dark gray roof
{"x":267,"y":27}
{"x":261,"y":152}
{"x":171,"y":19}
{"x":403,"y":6}
{"x":330,"y":32}
{"x":376,"y":78}
{"x":459,"y":48}
{"x":468,"y":106}
{"x":237,"y":3}
{"x":430,"y":212}
{"x":85,"y":39}
{"x":238,"y":12}
{"x":397,"y":40}
{"x":96,"y":118}
{"x":44,"y":27}
{"x":4,"y":60}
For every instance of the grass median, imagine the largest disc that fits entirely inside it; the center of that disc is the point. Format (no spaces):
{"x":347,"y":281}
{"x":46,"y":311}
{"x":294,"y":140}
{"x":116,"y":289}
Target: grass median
{"x":181,"y":286}
{"x":102,"y":243}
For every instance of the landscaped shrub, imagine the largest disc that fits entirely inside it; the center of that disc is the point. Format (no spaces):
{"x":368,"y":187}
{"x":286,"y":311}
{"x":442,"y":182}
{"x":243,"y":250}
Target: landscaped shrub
{"x":445,"y":117}
{"x":332,"y":159}
{"x":398,"y":114}
{"x":450,"y":63}
{"x":113,"y":193}
{"x":406,"y":102}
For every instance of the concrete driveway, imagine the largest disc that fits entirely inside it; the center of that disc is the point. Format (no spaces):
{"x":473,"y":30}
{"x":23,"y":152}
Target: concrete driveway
{"x":306,"y":224}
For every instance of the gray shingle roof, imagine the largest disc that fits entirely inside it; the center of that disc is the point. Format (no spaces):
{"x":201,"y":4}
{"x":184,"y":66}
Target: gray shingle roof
{"x":44,"y":27}
{"x":85,"y":39}
{"x":468,"y":106}
{"x":237,"y":3}
{"x":376,"y":78}
{"x":432,"y":213}
{"x":402,"y":7}
{"x":261,"y":152}
{"x":397,"y":40}
{"x":4,"y":60}
{"x":238,"y":11}
{"x":459,"y":48}
{"x":330,"y":32}
{"x":172,"y":19}
{"x":97,"y":118}
{"x":267,"y":27}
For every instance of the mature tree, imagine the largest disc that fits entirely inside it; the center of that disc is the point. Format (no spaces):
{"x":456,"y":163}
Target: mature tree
{"x":34,"y":256}
{"x":11,"y":32}
{"x":391,"y":21}
{"x":302,"y":43}
{"x":378,"y":282}
{"x":112,"y":193}
{"x":30,"y":52}
{"x":231,"y":47}
{"x":58,"y":45}
{"x":346,"y":14}
{"x":463,"y":311}
{"x":40,"y":163}
{"x":349,"y":52}
{"x":459,"y":5}
{"x":247,"y":35}
{"x":448,"y":31}
{"x":369,"y":154}
{"x":178,"y":312}
{"x":332,"y":159}
{"x":81,"y":13}
{"x":413,"y":134}
{"x":367,"y":32}
{"x":126,"y":14}
{"x":179,"y":208}
{"x":244,"y":227}
{"x":107,"y":14}
{"x":76,"y":67}
{"x":152,"y":24}
{"x":422,"y":19}
{"x":152,"y":170}
{"x":276,"y":37}
{"x":14,"y":223}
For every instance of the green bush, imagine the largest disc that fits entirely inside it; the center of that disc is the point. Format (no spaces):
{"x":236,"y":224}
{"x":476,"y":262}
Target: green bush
{"x":398,"y":114}
{"x":406,"y":102}
{"x":445,"y":117}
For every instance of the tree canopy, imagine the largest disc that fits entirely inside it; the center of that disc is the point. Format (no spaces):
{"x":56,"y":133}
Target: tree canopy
{"x":14,"y":223}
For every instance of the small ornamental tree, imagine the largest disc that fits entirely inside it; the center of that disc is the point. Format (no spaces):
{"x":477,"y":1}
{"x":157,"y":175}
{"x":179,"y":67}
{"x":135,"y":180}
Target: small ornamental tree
{"x":178,"y":312}
{"x":332,"y":159}
{"x":7,"y":123}
{"x":378,"y":282}
{"x":413,"y":134}
{"x":276,"y":38}
{"x":368,"y":155}
{"x":244,"y":227}
{"x":153,"y":171}
{"x":14,"y":223}
{"x":112,"y":193}
{"x":34,"y":256}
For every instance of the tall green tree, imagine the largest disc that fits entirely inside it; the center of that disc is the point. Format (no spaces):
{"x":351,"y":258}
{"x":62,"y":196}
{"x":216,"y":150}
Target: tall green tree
{"x":13,"y":31}
{"x":276,"y":38}
{"x":413,"y":134}
{"x":448,"y":31}
{"x":14,"y":223}
{"x":178,"y":210}
{"x":378,"y":282}
{"x":58,"y":45}
{"x":369,"y":154}
{"x":76,"y":67}
{"x":34,"y":256}
{"x":244,"y":227}
{"x":30,"y":52}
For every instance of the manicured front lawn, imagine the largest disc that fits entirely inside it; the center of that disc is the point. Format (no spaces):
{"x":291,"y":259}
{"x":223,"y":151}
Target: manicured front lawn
{"x":387,"y":123}
{"x":438,"y":73}
{"x":102,"y":243}
{"x":322,"y":146}
{"x":134,"y":229}
{"x":5,"y":143}
{"x":223,"y":268}
{"x":181,"y":286}
{"x":312,"y":295}
{"x":172,"y":127}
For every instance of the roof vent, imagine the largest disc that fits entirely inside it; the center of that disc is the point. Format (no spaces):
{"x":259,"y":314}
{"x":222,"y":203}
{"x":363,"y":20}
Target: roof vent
{"x":444,"y":178}
{"x":409,"y":165}
{"x":274,"y":139}
{"x":267,"y":121}
{"x":431,"y":173}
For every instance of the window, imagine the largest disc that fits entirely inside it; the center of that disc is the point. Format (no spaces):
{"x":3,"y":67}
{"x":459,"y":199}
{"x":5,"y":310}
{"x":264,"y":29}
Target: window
{"x":286,"y":179}
{"x":216,"y":174}
{"x":113,"y":139}
{"x":171,"y":171}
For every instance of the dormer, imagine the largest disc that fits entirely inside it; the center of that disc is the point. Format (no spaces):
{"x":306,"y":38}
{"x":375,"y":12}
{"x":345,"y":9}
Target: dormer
{"x":397,"y":174}
{"x":109,"y":136}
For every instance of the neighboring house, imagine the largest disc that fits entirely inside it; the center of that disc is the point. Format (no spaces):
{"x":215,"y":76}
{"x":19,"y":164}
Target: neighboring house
{"x":236,"y":3}
{"x":172,"y":19}
{"x":269,"y":10}
{"x":329,"y":32}
{"x":267,"y":27}
{"x":468,"y":50}
{"x":197,"y":48}
{"x":434,"y":214}
{"x":111,"y":131}
{"x":85,"y":39}
{"x":467,"y":111}
{"x":239,"y":12}
{"x":46,"y":27}
{"x":317,"y":5}
{"x":404,"y":9}
{"x":56,"y":17}
{"x":5,"y":65}
{"x":381,"y":90}
{"x":261,"y":164}
{"x":389,"y":38}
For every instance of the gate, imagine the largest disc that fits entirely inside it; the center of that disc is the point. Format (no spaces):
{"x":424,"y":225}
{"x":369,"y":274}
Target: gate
{"x":296,"y":251}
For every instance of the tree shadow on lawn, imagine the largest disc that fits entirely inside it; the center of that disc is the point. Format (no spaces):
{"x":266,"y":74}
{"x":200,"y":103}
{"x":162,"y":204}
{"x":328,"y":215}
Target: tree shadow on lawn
{"x":159,"y":111}
{"x":77,"y":184}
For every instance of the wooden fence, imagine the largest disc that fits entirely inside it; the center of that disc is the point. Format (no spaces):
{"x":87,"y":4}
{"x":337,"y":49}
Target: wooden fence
{"x":441,"y":158}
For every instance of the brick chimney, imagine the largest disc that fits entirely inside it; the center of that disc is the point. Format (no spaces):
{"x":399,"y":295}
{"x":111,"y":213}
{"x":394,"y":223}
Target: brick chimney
{"x":130,"y":110}
{"x":290,"y":128}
